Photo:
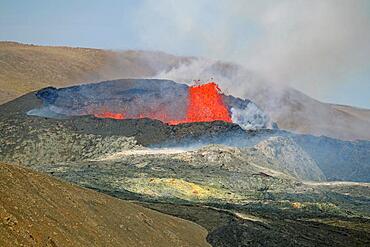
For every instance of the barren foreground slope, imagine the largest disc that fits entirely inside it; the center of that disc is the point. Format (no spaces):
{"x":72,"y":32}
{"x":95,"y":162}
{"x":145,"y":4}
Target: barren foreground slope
{"x":37,"y":210}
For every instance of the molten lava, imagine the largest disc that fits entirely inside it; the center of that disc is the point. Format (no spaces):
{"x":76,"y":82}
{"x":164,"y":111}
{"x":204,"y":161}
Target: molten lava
{"x":205,"y":104}
{"x":113,"y":115}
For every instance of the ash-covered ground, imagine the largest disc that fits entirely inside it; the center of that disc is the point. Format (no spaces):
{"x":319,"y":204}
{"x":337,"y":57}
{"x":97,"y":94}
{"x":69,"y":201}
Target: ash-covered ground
{"x":247,"y":188}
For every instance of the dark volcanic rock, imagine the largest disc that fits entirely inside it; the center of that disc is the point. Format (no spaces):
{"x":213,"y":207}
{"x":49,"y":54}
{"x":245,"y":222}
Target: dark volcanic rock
{"x":218,"y":188}
{"x":239,"y":233}
{"x":339,"y":160}
{"x":133,"y":97}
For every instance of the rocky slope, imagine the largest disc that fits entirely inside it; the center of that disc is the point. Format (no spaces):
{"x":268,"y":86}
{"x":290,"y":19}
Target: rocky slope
{"x":38,"y":210}
{"x":285,"y":155}
{"x":337,"y":160}
{"x":237,"y":201}
{"x":26,"y":67}
{"x":245,"y":188}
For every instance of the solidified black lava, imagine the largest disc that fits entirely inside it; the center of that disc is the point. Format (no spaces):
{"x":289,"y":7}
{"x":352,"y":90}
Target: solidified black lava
{"x":274,"y":222}
{"x":351,"y":163}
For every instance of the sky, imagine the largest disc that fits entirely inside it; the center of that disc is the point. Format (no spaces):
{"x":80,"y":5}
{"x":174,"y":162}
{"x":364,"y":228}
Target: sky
{"x":321,"y":47}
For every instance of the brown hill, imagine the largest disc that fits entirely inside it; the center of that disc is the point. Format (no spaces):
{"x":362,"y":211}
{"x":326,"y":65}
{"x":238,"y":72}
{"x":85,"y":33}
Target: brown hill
{"x":37,"y":210}
{"x":24,"y":68}
{"x":300,"y":113}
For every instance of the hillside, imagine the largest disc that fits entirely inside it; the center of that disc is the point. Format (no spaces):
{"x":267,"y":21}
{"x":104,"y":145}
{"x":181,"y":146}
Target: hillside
{"x":38,"y":210}
{"x":300,"y":113}
{"x":25,"y":68}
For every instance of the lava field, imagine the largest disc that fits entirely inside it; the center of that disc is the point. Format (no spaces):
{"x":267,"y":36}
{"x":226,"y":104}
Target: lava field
{"x":198,"y":154}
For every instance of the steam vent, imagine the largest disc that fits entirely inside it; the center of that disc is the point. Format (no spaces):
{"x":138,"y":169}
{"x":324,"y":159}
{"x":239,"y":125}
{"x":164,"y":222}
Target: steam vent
{"x":164,"y":100}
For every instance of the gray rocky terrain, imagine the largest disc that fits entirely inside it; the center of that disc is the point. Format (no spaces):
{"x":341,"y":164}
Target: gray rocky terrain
{"x":245,"y":187}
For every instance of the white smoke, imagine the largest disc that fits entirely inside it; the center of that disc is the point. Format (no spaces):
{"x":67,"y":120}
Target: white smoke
{"x":305,"y":44}
{"x":232,"y":79}
{"x":196,"y":69}
{"x":250,"y":118}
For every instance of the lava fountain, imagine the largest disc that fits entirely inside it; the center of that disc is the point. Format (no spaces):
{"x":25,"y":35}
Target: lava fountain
{"x":205,"y":104}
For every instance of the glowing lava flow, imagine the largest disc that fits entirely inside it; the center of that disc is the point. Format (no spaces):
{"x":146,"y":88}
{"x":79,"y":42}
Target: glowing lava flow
{"x":113,"y":115}
{"x":205,"y":104}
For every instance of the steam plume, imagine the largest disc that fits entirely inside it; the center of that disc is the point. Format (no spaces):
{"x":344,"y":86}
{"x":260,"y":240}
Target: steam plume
{"x":304,"y":44}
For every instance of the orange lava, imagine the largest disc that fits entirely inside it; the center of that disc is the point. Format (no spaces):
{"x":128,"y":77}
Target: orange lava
{"x":113,"y":115}
{"x":205,"y":104}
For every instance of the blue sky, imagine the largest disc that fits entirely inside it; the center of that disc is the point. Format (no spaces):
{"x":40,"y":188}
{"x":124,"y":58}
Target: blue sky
{"x":319,"y":47}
